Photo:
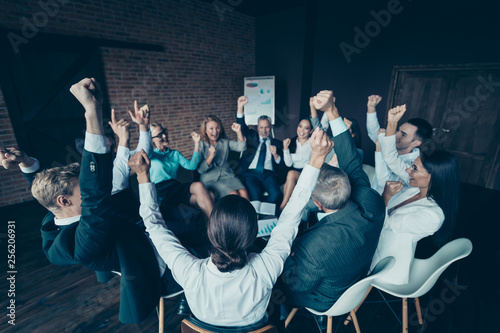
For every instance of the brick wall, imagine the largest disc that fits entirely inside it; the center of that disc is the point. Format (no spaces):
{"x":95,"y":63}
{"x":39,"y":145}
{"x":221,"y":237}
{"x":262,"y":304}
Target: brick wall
{"x":200,"y":72}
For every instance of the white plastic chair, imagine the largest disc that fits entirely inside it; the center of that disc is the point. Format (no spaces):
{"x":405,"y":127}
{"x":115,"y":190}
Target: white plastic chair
{"x":352,"y":297}
{"x":424,"y":274}
{"x":370,"y":172}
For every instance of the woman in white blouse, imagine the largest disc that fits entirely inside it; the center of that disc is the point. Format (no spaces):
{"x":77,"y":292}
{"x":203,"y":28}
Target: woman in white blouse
{"x":231,"y":287}
{"x":428,"y":207}
{"x":296,"y":153}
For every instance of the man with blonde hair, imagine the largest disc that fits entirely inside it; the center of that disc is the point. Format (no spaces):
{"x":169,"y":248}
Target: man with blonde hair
{"x":87,"y":225}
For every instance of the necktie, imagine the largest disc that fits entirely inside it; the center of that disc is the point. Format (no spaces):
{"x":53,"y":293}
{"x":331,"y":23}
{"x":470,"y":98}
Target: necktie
{"x":262,"y":157}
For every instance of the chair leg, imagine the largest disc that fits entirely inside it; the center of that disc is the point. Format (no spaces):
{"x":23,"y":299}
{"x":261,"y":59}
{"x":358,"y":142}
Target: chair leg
{"x":161,"y":315}
{"x":290,"y":316}
{"x":405,"y":315}
{"x":355,"y":321}
{"x":419,"y":312}
{"x":349,"y":318}
{"x":329,"y":325}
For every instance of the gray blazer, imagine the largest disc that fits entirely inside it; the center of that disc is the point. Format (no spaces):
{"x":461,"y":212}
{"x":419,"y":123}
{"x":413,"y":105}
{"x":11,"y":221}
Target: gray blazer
{"x":337,"y":251}
{"x":220,"y":165}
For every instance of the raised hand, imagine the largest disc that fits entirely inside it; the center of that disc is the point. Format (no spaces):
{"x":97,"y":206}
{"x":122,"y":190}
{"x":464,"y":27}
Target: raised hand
{"x":392,"y":188}
{"x":121,"y":128}
{"x":140,"y":116}
{"x":273,"y":150}
{"x":321,"y":145}
{"x":196,"y":137}
{"x":396,"y":113}
{"x":311,"y":103}
{"x":324,"y":101}
{"x":348,"y":123}
{"x":10,"y":157}
{"x":140,"y":163}
{"x":373,"y":100}
{"x":236,"y":127}
{"x":211,"y":151}
{"x":286,"y":144}
{"x":88,"y":92}
{"x":242,"y":101}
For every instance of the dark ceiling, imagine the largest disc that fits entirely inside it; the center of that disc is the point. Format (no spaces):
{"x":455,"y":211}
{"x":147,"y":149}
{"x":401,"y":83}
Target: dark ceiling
{"x":259,"y":7}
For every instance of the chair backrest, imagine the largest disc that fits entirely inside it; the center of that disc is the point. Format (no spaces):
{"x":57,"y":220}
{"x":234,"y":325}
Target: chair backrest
{"x":353,"y":296}
{"x":193,"y":325}
{"x":370,"y":172}
{"x":425,"y":272}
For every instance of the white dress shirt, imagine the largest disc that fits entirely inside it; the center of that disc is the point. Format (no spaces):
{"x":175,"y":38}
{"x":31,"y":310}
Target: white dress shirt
{"x":121,"y":170}
{"x":389,"y":165}
{"x":234,"y":298}
{"x":268,"y":164}
{"x":301,"y":156}
{"x":403,"y":228}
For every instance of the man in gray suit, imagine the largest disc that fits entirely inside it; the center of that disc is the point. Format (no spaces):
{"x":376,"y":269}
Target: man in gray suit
{"x":337,"y":251}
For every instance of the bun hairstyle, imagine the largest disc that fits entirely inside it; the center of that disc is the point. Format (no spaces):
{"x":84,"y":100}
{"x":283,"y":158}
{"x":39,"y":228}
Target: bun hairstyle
{"x":232,"y":229}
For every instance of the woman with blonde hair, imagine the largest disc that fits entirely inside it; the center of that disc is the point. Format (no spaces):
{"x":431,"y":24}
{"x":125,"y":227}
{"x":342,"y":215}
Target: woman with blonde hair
{"x":214,"y":169}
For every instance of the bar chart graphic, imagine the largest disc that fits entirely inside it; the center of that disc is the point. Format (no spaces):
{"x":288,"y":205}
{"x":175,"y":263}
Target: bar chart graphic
{"x":265,"y":227}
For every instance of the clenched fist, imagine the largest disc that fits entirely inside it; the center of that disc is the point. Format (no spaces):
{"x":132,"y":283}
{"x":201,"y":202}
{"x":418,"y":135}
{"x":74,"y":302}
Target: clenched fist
{"x":286,"y":144}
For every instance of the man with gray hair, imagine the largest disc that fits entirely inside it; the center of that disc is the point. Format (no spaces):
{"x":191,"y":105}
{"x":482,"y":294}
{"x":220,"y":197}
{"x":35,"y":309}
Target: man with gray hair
{"x":337,"y":251}
{"x":263,"y":161}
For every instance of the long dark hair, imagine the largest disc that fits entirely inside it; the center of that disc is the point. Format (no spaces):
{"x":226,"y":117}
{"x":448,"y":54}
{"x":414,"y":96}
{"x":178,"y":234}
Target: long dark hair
{"x":444,"y":188}
{"x":232,"y":229}
{"x":293,"y":142}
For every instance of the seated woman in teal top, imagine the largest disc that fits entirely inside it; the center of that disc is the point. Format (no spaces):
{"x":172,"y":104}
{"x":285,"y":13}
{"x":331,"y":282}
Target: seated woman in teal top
{"x":164,"y":165}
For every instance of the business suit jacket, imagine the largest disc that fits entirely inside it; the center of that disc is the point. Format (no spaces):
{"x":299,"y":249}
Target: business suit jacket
{"x":337,"y":251}
{"x":253,"y":142}
{"x":107,"y":238}
{"x":220,"y":165}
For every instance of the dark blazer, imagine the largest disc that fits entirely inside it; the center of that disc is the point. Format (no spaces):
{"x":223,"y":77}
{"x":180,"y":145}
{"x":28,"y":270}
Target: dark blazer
{"x":107,"y":238}
{"x":337,"y":251}
{"x":253,"y":141}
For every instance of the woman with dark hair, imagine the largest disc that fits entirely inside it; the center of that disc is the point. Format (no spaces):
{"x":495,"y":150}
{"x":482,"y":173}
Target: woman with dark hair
{"x":232,"y":287}
{"x":216,"y":174}
{"x":428,"y":207}
{"x":296,"y":153}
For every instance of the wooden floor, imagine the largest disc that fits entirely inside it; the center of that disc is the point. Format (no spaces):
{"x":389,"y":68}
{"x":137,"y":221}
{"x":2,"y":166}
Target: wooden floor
{"x":52,"y":299}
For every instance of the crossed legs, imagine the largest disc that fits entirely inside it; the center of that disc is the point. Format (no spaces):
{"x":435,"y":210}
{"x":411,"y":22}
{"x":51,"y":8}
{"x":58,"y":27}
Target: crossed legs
{"x":291,"y":180}
{"x":200,"y":197}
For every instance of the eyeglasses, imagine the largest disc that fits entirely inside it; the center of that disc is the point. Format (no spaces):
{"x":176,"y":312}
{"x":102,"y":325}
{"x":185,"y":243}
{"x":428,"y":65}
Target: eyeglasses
{"x":159,"y":136}
{"x":413,"y":168}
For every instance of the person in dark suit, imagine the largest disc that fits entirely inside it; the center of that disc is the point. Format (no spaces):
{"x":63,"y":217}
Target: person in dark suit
{"x":263,"y":160}
{"x":87,"y":225}
{"x":337,"y":251}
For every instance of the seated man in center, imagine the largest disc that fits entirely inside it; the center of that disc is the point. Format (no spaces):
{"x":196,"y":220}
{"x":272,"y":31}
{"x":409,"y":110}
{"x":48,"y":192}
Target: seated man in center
{"x":262,"y":160}
{"x":337,"y":251}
